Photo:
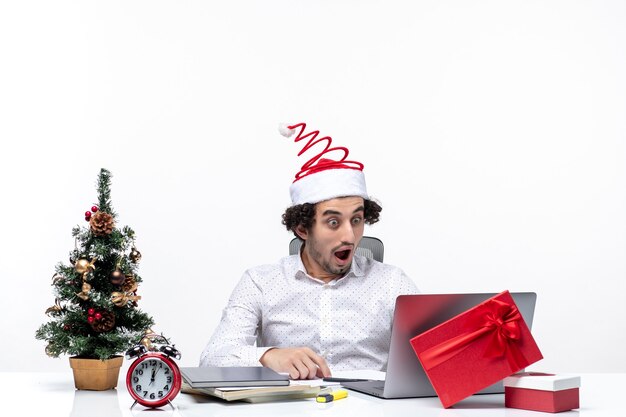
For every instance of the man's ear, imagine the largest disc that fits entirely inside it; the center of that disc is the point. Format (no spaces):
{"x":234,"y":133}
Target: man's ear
{"x":302,"y":232}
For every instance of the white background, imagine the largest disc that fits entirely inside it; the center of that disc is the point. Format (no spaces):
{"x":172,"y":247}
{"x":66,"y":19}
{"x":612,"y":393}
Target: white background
{"x":492,"y":132}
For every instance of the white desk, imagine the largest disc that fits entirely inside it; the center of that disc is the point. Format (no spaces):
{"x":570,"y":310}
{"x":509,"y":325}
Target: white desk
{"x":53,"y":394}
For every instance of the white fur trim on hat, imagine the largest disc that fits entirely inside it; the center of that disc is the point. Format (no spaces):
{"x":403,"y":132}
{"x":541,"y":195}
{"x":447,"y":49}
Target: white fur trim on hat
{"x":328,"y":184}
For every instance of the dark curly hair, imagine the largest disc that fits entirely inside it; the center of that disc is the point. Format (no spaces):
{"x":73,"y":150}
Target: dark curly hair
{"x":304,"y":214}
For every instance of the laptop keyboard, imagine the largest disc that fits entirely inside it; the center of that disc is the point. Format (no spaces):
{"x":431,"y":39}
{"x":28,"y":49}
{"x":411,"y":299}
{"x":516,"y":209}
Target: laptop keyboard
{"x":379,"y":385}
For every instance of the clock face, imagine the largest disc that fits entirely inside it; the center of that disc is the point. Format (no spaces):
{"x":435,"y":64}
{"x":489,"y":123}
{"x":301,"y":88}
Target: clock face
{"x":153,"y":379}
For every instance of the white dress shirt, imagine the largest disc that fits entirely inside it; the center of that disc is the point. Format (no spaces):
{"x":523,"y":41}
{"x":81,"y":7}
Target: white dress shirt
{"x":347,"y":321}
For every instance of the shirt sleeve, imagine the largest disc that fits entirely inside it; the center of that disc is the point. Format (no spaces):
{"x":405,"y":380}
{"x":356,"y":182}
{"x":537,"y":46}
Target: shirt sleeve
{"x":234,"y":341}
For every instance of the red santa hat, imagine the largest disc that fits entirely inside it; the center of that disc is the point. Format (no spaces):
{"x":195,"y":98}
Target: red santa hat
{"x":323,"y":178}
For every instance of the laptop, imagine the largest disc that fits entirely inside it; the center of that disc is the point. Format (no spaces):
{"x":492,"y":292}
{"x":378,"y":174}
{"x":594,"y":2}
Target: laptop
{"x":414,"y":314}
{"x":232,"y":376}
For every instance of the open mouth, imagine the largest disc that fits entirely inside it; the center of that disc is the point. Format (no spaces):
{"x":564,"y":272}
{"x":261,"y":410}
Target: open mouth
{"x":343,"y":254}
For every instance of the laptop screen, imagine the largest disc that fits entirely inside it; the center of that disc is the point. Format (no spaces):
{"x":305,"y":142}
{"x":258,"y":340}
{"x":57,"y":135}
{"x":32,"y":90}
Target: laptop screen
{"x":417,"y":313}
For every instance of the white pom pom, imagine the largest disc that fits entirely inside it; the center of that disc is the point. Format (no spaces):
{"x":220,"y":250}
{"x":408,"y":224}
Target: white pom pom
{"x":284,"y":130}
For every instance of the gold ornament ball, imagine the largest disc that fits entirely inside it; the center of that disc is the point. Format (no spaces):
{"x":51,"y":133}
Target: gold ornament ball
{"x":119,"y":299}
{"x":147,"y":343}
{"x":135,"y":255}
{"x":49,"y":350}
{"x":82,"y":266}
{"x":117,"y":277}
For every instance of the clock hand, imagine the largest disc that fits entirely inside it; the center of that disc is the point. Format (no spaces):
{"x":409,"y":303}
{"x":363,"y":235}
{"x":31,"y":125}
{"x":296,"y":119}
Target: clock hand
{"x":154,"y":373}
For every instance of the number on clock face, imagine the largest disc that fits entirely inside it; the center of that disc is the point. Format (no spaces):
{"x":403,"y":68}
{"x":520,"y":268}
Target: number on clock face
{"x":152,"y":379}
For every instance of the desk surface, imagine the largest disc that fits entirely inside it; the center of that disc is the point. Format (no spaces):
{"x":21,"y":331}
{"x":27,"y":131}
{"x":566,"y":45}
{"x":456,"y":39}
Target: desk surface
{"x":53,"y":394}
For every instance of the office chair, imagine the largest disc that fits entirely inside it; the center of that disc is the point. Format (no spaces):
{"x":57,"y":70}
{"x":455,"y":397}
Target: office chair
{"x":370,"y":247}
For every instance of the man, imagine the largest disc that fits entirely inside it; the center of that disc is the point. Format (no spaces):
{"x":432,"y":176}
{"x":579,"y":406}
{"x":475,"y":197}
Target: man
{"x":325,"y":308}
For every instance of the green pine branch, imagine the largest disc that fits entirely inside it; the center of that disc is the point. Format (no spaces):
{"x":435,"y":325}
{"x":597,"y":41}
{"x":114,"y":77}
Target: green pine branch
{"x":104,"y":192}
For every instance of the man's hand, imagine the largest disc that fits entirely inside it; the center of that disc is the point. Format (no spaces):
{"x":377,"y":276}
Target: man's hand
{"x":300,"y":363}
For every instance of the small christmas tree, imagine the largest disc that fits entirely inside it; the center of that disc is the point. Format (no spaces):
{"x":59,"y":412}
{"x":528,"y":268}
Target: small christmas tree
{"x":95,"y":314}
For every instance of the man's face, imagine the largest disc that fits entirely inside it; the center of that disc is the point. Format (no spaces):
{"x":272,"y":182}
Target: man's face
{"x":336,"y":231}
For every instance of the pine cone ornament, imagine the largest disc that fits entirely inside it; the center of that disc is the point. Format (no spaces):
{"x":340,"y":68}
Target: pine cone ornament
{"x":101,"y":224}
{"x":105,"y":323}
{"x":130,"y":285}
{"x":130,"y":292}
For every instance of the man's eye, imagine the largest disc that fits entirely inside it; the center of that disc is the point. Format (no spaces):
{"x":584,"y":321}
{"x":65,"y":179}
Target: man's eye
{"x":333,"y":223}
{"x":357,"y":220}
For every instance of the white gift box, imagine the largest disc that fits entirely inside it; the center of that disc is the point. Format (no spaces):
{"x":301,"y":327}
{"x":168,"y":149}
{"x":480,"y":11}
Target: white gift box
{"x":542,"y":392}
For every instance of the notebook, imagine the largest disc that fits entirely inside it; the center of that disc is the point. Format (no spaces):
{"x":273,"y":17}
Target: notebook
{"x":414,"y":314}
{"x":232,"y":376}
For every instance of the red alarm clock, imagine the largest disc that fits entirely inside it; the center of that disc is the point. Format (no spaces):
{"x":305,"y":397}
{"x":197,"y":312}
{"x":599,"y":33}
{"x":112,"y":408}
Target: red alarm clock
{"x":153,"y":379}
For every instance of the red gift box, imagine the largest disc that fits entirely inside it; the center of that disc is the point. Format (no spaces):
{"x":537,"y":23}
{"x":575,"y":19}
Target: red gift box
{"x":542,"y":392}
{"x":476,"y":349}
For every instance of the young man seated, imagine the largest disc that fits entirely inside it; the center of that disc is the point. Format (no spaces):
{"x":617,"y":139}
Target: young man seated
{"x":326,"y":308}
